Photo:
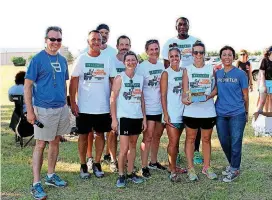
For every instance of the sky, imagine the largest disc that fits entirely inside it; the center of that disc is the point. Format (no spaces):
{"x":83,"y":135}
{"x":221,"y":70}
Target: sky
{"x":238,"y":23}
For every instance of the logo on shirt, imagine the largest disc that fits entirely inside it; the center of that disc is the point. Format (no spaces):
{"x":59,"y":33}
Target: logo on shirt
{"x":119,"y":70}
{"x":134,"y":91}
{"x":96,"y":72}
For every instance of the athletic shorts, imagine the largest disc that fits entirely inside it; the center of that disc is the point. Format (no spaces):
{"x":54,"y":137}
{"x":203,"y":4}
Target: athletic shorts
{"x":100,"y":123}
{"x":56,"y":122}
{"x":268,"y":84}
{"x":128,"y":126}
{"x":156,"y":118}
{"x":196,"y":123}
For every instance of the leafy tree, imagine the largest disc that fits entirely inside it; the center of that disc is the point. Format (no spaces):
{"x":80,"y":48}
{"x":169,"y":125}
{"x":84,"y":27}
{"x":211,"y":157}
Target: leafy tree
{"x":30,"y":57}
{"x":69,"y":57}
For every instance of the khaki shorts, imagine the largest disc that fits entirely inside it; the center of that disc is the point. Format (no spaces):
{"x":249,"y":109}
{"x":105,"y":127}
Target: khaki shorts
{"x":56,"y":122}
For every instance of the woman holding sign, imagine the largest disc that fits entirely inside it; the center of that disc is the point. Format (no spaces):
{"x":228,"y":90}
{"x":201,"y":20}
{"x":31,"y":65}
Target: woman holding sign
{"x":171,"y":90}
{"x":128,"y":116}
{"x":199,"y":111}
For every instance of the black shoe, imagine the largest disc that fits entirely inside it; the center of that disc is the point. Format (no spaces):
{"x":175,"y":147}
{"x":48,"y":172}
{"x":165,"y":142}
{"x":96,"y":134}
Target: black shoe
{"x":107,"y":157}
{"x":156,"y":165}
{"x":97,"y":170}
{"x":145,"y":173}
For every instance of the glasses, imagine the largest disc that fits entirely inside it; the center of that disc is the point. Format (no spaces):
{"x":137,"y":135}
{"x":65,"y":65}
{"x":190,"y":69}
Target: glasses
{"x":152,"y":42}
{"x":242,"y":54}
{"x":55,"y":39}
{"x":198,"y":52}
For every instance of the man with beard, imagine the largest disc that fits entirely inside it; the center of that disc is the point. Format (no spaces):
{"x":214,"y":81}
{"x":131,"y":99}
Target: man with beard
{"x":184,"y":42}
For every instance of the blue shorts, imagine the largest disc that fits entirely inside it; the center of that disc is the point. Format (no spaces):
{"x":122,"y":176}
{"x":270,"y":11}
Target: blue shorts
{"x":268,"y":84}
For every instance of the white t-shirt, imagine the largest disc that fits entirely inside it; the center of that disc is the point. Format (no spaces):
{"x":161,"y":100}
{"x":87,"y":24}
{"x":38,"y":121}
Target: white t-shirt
{"x":129,"y":98}
{"x":94,"y":85}
{"x":152,"y":93}
{"x":174,"y":104}
{"x":119,"y":65}
{"x":200,"y":78}
{"x":185,"y":46}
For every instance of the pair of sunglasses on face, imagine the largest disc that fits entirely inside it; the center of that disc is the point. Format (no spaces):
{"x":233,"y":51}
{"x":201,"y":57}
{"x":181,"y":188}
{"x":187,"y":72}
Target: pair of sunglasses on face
{"x":242,"y":54}
{"x":55,"y":39}
{"x":198,"y":52}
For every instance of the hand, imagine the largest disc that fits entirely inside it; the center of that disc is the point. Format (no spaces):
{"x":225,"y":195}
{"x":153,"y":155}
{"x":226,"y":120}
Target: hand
{"x":74,"y":109}
{"x":31,"y":117}
{"x":166,"y":119}
{"x":114,"y":125}
{"x":186,"y":101}
{"x":256,"y":115}
{"x":208,"y":97}
{"x":144,"y":127}
{"x":251,"y":87}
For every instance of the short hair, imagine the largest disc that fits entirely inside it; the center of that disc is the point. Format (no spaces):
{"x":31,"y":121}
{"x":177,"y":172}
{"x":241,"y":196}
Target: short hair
{"x":199,"y":43}
{"x":102,"y":26}
{"x":183,"y":18}
{"x":93,"y":31}
{"x":149,"y":42}
{"x":52,"y":28}
{"x":130,"y":53}
{"x":123,"y":37}
{"x":227,"y":48}
{"x":20,"y":78}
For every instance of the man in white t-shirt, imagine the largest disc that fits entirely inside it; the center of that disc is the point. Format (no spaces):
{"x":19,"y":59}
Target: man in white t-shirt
{"x":104,"y":30}
{"x":91,"y":79}
{"x":184,"y":42}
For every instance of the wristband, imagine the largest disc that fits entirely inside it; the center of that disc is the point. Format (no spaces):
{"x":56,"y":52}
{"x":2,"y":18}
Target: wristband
{"x":260,"y":112}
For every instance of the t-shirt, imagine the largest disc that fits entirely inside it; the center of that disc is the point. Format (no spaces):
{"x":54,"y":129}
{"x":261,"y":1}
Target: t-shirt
{"x":129,"y":102}
{"x":119,"y":65}
{"x":152,"y":93}
{"x":266,"y":65}
{"x":230,"y":98}
{"x":244,"y":66}
{"x":49,"y":74}
{"x":185,"y":46}
{"x":174,"y":104}
{"x":94,"y":85}
{"x":200,"y":79}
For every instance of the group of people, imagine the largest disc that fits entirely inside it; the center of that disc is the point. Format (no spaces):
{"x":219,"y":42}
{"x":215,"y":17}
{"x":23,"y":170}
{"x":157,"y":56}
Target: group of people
{"x":110,"y":92}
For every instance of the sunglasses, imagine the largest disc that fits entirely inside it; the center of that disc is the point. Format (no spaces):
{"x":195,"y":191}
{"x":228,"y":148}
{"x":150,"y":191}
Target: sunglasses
{"x":173,"y":45}
{"x":242,"y":54}
{"x":198,"y":52}
{"x":152,"y":42}
{"x":55,"y":39}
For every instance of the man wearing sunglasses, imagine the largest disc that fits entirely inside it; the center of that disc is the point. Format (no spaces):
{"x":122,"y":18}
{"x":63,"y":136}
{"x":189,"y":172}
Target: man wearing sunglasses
{"x":90,"y":81}
{"x":45,"y":81}
{"x":185,"y":43}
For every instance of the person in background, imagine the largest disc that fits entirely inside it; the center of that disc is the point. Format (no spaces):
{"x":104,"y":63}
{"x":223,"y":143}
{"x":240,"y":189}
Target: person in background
{"x":265,"y":83}
{"x":128,"y":116}
{"x":245,"y":65}
{"x":232,"y":111}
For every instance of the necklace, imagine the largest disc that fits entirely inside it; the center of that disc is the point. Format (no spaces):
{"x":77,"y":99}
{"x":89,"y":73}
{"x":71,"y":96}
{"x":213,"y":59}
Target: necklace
{"x":53,"y":68}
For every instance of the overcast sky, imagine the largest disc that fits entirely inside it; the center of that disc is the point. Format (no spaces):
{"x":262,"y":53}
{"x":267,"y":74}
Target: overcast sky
{"x":239,"y":23}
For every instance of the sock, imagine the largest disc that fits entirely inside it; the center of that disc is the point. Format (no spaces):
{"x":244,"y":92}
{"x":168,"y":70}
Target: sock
{"x":50,"y":175}
{"x":84,"y":168}
{"x":36,"y":183}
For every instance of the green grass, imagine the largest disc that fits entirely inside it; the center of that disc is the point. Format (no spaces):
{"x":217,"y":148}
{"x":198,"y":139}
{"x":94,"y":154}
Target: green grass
{"x":254,"y":182}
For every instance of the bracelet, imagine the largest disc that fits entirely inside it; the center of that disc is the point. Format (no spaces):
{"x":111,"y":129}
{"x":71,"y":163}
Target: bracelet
{"x":259,"y":111}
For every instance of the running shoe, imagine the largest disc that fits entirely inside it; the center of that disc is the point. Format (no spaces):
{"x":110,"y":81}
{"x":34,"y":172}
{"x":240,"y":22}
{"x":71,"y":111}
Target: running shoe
{"x":145,"y":173}
{"x":231,"y":176}
{"x":192,"y":175}
{"x":209,"y":173}
{"x":121,"y":181}
{"x":198,"y":158}
{"x":134,"y":178}
{"x":156,"y":165}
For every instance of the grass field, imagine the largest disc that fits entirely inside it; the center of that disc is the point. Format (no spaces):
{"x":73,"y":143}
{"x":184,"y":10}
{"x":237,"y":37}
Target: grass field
{"x":16,"y":176}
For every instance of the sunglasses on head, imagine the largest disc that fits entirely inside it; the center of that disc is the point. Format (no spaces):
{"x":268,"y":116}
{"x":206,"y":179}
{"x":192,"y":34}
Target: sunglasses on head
{"x":152,"y":42}
{"x":173,"y":45}
{"x":198,"y":52}
{"x":55,"y":39}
